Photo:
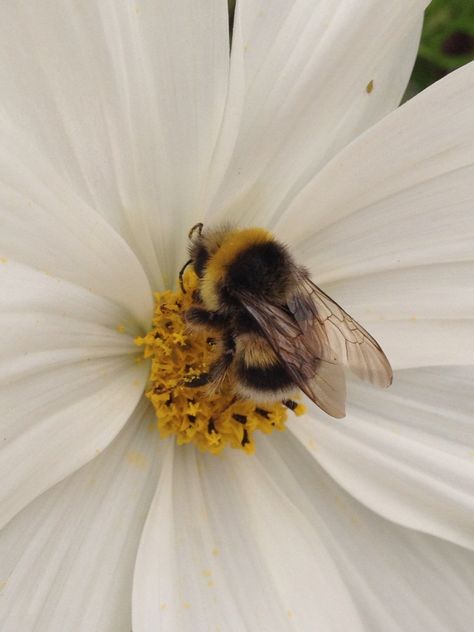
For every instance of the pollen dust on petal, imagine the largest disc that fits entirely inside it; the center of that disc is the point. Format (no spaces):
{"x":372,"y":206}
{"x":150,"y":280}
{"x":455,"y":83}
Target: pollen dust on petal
{"x":137,"y":459}
{"x":210,"y":419}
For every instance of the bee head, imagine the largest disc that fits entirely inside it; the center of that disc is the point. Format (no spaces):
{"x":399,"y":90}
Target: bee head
{"x":204,"y":244}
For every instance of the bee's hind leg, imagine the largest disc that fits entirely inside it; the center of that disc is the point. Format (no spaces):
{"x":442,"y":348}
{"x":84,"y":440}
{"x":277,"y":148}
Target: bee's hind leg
{"x":199,"y":380}
{"x":220,"y":368}
{"x":218,"y":371}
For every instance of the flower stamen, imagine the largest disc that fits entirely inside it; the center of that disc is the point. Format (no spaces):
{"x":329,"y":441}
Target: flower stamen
{"x":178,"y":388}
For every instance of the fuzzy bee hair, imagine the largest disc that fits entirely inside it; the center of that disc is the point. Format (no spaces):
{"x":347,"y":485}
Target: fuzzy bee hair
{"x":280,"y":332}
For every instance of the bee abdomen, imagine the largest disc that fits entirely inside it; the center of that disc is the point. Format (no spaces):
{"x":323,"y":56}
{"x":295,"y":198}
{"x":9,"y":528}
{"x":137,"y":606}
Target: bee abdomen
{"x":259,"y":373}
{"x":269,"y":382}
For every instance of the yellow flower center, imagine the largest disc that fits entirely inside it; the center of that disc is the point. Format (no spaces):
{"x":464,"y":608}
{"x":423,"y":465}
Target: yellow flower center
{"x":211,"y":419}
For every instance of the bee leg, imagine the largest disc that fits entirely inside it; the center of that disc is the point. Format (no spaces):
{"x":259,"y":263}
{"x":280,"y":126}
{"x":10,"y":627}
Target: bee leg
{"x":195,"y":382}
{"x":203,"y":318}
{"x":197,"y":297}
{"x":218,"y":371}
{"x":221,"y":366}
{"x":214,"y":377}
{"x":199,"y":380}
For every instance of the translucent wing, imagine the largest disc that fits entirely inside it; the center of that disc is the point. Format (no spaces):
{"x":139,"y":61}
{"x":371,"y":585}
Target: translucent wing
{"x":320,"y":317}
{"x":312,"y":367}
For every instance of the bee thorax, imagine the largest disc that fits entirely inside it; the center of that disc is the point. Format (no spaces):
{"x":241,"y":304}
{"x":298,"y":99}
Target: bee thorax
{"x":263,"y":269}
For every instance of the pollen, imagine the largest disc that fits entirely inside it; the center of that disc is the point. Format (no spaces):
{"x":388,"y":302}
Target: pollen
{"x":210,"y":418}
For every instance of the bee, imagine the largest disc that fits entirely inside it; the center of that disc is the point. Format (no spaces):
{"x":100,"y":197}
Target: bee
{"x":279,"y":332}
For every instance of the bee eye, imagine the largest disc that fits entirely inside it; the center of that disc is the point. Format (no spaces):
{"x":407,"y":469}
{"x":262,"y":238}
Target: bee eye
{"x":201,"y":257}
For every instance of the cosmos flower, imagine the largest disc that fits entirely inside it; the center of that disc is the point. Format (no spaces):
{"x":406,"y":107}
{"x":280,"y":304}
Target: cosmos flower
{"x":121,"y":125}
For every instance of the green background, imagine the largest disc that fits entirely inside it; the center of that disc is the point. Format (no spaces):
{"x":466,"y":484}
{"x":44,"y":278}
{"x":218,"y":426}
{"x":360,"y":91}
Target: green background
{"x":447,"y":42}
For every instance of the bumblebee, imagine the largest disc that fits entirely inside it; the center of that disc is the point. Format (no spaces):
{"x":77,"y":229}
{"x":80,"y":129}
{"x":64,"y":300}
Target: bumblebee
{"x":279,"y":332}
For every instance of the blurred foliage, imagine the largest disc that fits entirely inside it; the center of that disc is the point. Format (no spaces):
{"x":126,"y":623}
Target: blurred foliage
{"x":447,"y":41}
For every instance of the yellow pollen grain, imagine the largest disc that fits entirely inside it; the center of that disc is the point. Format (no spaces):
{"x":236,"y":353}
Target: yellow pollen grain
{"x":370,"y":86}
{"x":210,"y":419}
{"x":312,"y":444}
{"x":137,"y":459}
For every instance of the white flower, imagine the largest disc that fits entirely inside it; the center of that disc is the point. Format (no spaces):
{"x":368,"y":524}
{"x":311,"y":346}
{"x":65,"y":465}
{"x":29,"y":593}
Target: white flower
{"x":122,"y":124}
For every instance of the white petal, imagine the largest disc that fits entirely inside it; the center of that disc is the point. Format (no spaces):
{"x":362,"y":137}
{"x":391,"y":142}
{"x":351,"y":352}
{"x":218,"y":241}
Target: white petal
{"x":46,"y":226}
{"x":305,"y":69}
{"x":399,"y":580}
{"x":407,"y":452}
{"x":438,"y":291}
{"x":273,"y":543}
{"x":125,"y":99}
{"x":67,"y":560}
{"x":426,"y":343}
{"x":68,"y":380}
{"x":222,"y":548}
{"x":401,"y":195}
{"x":422,"y":316}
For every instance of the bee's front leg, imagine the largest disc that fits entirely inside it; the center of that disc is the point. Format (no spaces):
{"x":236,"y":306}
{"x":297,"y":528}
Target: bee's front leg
{"x":202,"y":318}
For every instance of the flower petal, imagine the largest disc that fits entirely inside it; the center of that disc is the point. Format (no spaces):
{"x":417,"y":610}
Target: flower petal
{"x":306,"y":68}
{"x":46,"y":226}
{"x":68,"y":380}
{"x":273,"y":543}
{"x":407,"y":452}
{"x":126,"y":100}
{"x":232,"y":553}
{"x":436,"y":291}
{"x":67,"y":560}
{"x":422,"y":315}
{"x":401,"y":195}
{"x":398,"y":579}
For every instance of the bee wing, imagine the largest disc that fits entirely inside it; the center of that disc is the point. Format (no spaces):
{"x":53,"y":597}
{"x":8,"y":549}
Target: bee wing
{"x":320,"y":316}
{"x":312,"y":367}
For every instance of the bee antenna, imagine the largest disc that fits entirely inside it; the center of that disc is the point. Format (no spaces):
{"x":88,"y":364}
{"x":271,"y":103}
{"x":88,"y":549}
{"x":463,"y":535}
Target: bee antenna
{"x":197,"y":227}
{"x":181,"y":274}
